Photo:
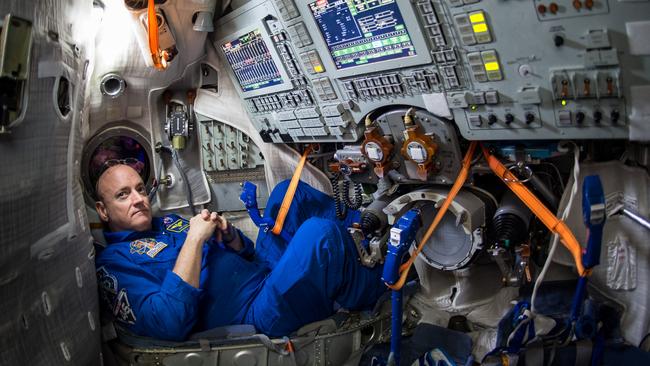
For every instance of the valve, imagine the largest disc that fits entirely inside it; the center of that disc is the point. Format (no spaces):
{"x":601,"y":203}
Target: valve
{"x":418,"y":148}
{"x":377,"y":149}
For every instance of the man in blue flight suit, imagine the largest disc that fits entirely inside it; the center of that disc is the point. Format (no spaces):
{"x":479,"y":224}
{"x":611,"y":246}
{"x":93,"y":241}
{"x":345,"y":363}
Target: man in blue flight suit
{"x":168,"y":277}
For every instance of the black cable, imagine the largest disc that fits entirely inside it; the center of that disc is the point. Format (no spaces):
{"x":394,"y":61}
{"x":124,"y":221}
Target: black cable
{"x":334,"y":180}
{"x":186,"y":183}
{"x":358,"y":199}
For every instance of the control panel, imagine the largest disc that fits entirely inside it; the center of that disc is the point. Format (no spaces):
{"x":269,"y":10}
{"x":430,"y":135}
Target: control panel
{"x":311,"y":71}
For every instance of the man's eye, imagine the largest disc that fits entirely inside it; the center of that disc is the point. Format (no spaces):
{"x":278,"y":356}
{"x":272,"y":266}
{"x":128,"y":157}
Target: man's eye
{"x":121,"y":195}
{"x":142,"y":190}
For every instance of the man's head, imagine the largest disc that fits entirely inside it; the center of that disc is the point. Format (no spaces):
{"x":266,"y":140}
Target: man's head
{"x":122,"y":199}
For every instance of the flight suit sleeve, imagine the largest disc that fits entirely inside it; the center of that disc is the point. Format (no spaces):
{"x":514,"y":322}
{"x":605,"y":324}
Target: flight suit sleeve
{"x":248,"y":252}
{"x":164,"y":309}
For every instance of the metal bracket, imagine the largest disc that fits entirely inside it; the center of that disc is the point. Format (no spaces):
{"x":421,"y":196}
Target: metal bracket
{"x":15,"y":53}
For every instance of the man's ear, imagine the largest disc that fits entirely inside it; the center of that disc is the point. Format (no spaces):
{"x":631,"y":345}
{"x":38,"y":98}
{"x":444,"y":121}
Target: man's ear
{"x":101,"y":210}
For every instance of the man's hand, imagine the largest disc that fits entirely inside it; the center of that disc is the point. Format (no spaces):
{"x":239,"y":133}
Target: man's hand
{"x":227,"y":234}
{"x":203,"y":225}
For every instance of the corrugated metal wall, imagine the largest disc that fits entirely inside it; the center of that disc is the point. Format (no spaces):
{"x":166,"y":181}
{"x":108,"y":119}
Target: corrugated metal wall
{"x":48,"y":290}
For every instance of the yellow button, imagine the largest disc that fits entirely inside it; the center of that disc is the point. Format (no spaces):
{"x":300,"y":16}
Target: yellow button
{"x":318,"y":68}
{"x":480,"y":28}
{"x":491,"y":66}
{"x":477,"y":17}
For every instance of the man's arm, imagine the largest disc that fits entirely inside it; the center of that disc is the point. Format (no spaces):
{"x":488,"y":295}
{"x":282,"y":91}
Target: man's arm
{"x":188,"y":263}
{"x":148,"y":305}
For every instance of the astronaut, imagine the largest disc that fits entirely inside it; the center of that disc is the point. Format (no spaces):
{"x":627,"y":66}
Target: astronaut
{"x":168,"y":277}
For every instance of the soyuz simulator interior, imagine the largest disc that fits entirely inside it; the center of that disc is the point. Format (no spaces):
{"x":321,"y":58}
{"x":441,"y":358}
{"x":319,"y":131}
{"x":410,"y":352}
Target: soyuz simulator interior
{"x":497,"y":150}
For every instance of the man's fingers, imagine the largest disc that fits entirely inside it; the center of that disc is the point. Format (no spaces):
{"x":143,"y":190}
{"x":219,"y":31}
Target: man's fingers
{"x":205,"y":214}
{"x":214,"y":217}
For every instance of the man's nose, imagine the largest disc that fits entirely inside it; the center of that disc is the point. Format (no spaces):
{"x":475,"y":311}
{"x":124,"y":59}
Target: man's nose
{"x":137,"y":198}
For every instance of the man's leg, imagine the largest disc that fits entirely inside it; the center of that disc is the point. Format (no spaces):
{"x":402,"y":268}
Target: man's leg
{"x":307,"y":202}
{"x":320,"y":266}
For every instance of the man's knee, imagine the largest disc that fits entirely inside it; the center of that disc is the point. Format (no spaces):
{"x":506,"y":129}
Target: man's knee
{"x":321,"y":234}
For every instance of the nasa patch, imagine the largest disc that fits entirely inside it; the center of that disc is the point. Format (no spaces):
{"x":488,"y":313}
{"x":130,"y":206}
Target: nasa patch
{"x":167,"y":220}
{"x":108,"y":284}
{"x":122,"y":310}
{"x":178,"y":226}
{"x":147,"y":245}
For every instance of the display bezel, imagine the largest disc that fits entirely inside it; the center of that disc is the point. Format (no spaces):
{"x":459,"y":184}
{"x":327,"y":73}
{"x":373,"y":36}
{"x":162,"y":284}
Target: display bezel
{"x":286,"y":82}
{"x":414,"y":30}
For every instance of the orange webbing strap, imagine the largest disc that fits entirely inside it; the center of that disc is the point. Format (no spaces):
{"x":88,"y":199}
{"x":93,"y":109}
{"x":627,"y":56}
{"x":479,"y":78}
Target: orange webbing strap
{"x":537,"y":207}
{"x":460,"y":180}
{"x":291,"y":191}
{"x":158,"y":56}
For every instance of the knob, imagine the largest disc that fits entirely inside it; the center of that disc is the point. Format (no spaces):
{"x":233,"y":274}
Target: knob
{"x":580,"y":117}
{"x":614,"y":116}
{"x":598,"y":116}
{"x":558,"y":40}
{"x":530,"y":118}
{"x":492,"y":119}
{"x":509,"y":118}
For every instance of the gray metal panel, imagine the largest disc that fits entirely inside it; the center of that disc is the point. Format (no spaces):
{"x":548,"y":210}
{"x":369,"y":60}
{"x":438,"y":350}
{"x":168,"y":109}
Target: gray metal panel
{"x":530,"y":65}
{"x":524,"y":41}
{"x":48,"y":312}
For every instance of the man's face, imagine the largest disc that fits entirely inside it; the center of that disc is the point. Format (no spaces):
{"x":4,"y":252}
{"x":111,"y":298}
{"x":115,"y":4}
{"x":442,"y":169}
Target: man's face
{"x":123,"y":204}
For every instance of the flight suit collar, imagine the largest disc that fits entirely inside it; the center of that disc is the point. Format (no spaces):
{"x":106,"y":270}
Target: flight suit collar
{"x":128,"y":235}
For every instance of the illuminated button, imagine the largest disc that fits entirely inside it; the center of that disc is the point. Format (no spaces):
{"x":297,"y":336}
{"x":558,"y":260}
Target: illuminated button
{"x":491,"y":63}
{"x":477,"y":17}
{"x":480,"y":27}
{"x":492,"y":66}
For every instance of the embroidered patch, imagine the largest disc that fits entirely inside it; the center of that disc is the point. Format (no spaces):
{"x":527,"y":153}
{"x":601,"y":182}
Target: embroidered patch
{"x":147,"y":245}
{"x":108,"y":285}
{"x":178,"y":226}
{"x":122,"y":310}
{"x":167,"y":220}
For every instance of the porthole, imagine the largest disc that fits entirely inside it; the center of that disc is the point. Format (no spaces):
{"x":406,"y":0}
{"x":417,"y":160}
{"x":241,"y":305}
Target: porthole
{"x":118,"y":142}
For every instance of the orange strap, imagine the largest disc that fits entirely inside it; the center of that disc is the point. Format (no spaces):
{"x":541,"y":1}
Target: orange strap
{"x":460,"y":180}
{"x":159,"y":57}
{"x":291,"y":191}
{"x":554,"y":224}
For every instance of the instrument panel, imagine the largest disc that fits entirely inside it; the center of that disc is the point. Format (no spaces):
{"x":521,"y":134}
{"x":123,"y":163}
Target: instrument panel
{"x":501,"y":70}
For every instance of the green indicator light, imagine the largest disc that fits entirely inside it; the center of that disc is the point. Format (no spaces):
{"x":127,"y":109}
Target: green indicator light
{"x":563,"y":102}
{"x":369,"y":34}
{"x":399,"y":27}
{"x":473,"y":107}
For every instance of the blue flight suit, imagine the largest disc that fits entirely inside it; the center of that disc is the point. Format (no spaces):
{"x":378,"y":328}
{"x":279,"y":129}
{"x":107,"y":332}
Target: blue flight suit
{"x":277,"y":287}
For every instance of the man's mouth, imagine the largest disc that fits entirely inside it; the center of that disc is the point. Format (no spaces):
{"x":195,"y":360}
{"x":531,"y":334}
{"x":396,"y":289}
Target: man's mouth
{"x":142,"y":212}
